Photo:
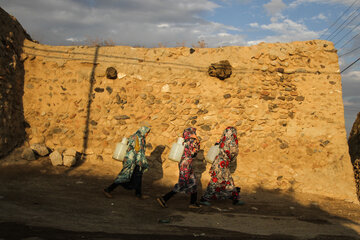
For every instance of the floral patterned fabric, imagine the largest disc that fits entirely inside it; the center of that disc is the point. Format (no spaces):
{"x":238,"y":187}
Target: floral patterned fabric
{"x":221,"y":185}
{"x":135,"y":155}
{"x":187,"y":179}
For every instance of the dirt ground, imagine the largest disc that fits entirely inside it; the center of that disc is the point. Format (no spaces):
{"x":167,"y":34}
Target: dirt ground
{"x":39,"y":201}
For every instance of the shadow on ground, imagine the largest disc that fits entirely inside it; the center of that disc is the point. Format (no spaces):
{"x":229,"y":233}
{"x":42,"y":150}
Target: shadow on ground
{"x":50,"y":203}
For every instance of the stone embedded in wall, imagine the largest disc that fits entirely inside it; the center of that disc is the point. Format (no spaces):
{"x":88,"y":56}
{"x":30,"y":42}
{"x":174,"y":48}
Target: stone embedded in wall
{"x":221,"y":70}
{"x":228,"y":95}
{"x":165,"y":88}
{"x":99,"y":90}
{"x":121,"y":117}
{"x":111,"y":73}
{"x":109,"y":89}
{"x":206,"y":127}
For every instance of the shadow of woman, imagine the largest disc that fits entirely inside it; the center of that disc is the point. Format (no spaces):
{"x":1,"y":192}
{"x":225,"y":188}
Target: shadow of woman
{"x":199,"y":165}
{"x":233,"y":166}
{"x":155,"y":161}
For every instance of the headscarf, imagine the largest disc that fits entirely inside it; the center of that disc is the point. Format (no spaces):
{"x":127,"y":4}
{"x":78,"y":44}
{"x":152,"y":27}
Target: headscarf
{"x":191,"y":142}
{"x":141,"y":133}
{"x":136,"y":148}
{"x":228,"y":144}
{"x":189,"y":132}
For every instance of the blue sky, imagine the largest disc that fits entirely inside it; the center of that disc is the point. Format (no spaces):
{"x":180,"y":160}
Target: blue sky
{"x":185,"y":22}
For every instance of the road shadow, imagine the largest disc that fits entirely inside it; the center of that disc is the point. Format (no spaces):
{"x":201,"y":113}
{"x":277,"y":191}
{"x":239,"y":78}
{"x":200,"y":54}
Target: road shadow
{"x":50,"y":196}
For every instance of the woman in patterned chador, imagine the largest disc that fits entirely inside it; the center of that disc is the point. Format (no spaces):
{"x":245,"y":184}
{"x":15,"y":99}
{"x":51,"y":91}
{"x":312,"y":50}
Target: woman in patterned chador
{"x":187,"y":181}
{"x":221,"y":185}
{"x":135,"y":164}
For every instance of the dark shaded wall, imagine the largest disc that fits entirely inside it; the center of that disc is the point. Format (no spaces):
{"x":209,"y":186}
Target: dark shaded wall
{"x":354,"y":140}
{"x":354,"y":150}
{"x":12,"y":125}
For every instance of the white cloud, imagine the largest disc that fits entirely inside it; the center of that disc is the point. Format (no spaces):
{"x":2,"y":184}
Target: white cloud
{"x":74,"y":40}
{"x":254,"y":25}
{"x":352,"y":101}
{"x":274,"y":7}
{"x":163,"y":25}
{"x":224,"y":34}
{"x":319,"y":17}
{"x":286,"y":30}
{"x":126,"y":22}
{"x":352,"y":76}
{"x":299,"y":2}
{"x":347,"y":102}
{"x":342,"y":62}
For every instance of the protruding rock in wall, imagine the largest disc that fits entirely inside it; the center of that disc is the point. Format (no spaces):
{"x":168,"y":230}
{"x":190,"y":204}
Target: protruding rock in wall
{"x":354,"y":150}
{"x":285,"y":99}
{"x":12,"y":35}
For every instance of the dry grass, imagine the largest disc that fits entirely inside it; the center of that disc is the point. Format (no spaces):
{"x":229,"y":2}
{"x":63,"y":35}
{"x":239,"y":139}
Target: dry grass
{"x":200,"y":44}
{"x":97,"y":42}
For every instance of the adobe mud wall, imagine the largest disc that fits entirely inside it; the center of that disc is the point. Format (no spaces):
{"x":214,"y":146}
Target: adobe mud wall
{"x":284,"y":99}
{"x":12,"y":130}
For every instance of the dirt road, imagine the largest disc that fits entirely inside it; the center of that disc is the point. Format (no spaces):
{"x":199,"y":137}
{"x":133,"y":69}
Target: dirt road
{"x":39,"y":201}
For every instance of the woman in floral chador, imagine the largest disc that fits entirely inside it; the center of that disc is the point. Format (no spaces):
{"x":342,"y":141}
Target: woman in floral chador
{"x":187,"y":181}
{"x":221,"y":185}
{"x":134,"y":165}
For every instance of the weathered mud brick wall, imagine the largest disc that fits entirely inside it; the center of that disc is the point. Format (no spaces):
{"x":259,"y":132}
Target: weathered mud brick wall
{"x":12,"y":128}
{"x":284,"y":99}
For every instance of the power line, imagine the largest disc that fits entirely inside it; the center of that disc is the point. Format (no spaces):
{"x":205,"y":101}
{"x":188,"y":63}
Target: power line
{"x":350,"y":65}
{"x":346,"y":24}
{"x":352,"y":108}
{"x":342,"y":23}
{"x":141,"y":61}
{"x":349,"y":41}
{"x":347,"y":34}
{"x":351,"y":51}
{"x":338,"y":18}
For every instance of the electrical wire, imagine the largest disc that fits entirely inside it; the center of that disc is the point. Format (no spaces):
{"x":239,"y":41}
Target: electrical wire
{"x":349,"y":41}
{"x":351,"y":51}
{"x":350,"y":65}
{"x":338,"y":18}
{"x":347,"y":34}
{"x":342,"y":23}
{"x":345,"y":25}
